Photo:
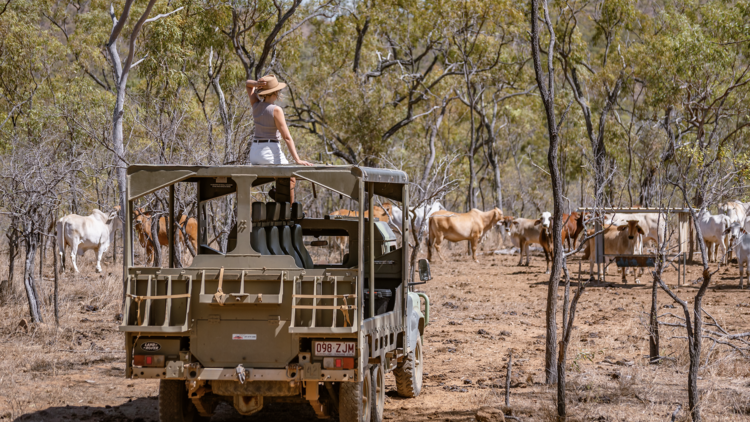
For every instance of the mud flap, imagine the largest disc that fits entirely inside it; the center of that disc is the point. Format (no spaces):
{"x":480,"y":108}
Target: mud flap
{"x":414,"y":320}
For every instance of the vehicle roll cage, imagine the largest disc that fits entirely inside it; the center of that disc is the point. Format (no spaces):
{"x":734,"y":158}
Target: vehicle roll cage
{"x":358,"y":183}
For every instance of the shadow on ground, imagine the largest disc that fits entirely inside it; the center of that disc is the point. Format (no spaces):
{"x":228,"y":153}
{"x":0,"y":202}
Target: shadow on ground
{"x":147,"y":410}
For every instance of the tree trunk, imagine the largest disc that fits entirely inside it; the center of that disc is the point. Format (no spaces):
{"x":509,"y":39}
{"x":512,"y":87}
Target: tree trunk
{"x":561,"y":384}
{"x":225,"y":122}
{"x":28,"y":280}
{"x":470,"y":201}
{"x":178,"y":246}
{"x":496,"y":176}
{"x":155,"y":240}
{"x":695,"y":348}
{"x":12,"y":253}
{"x":653,"y":338}
{"x":114,"y":246}
{"x":42,"y":247}
{"x":56,"y":297}
{"x":120,"y":170}
{"x":546,"y":83}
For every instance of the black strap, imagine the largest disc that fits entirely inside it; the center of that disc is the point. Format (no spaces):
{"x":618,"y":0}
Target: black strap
{"x":260,"y":141}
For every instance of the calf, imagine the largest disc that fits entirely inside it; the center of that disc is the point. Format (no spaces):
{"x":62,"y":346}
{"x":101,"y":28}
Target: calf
{"x":455,"y":227}
{"x":524,"y":232}
{"x":83,"y":233}
{"x":618,"y":240}
{"x":714,"y":229}
{"x":572,"y":228}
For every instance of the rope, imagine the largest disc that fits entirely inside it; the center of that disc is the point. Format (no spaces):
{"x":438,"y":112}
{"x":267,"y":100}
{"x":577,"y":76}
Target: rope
{"x":345,"y":310}
{"x":219,"y":295}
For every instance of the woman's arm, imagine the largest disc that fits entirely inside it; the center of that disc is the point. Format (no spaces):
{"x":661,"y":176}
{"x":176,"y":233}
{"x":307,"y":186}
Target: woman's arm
{"x":278,"y":117}
{"x":252,"y":86}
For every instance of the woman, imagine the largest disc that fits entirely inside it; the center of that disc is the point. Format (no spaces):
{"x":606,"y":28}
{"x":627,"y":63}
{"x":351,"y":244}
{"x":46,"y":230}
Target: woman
{"x":270,"y":125}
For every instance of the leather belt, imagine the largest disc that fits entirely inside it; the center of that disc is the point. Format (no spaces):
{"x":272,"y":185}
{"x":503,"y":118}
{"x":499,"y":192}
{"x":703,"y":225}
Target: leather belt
{"x":261,"y":141}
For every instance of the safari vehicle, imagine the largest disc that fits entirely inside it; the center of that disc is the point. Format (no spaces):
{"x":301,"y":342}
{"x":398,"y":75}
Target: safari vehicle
{"x":261,"y":321}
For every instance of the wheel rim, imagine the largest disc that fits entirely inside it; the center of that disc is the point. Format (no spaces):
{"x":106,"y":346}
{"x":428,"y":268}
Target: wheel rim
{"x":366,"y":394}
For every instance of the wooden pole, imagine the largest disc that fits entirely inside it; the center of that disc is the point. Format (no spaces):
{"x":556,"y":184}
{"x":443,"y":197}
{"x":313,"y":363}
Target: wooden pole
{"x":56,"y":297}
{"x":507,"y":379}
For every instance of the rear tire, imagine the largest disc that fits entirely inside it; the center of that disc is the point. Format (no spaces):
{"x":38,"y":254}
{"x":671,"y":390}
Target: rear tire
{"x":355,"y":400}
{"x":378,"y":393}
{"x":174,"y":404}
{"x":409,"y":373}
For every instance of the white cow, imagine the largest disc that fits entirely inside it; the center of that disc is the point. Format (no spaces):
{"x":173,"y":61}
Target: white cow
{"x":742,"y":248}
{"x":418,"y":214}
{"x":714,"y":229}
{"x":652,"y":224}
{"x":83,"y":233}
{"x":735,"y":210}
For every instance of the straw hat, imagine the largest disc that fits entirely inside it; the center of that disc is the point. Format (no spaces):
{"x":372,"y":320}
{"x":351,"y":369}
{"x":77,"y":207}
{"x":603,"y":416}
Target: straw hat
{"x":272,"y":85}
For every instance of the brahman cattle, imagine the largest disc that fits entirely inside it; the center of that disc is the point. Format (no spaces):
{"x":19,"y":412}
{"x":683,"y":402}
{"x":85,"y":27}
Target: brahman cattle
{"x":652,"y":224}
{"x":735,"y":210}
{"x":742,"y":248}
{"x":143,"y":230}
{"x":381,"y":213}
{"x":572,"y":227}
{"x":417,"y":214}
{"x":714,"y":229}
{"x":524,"y":232}
{"x":618,"y":240}
{"x":83,"y":233}
{"x":456,"y":227}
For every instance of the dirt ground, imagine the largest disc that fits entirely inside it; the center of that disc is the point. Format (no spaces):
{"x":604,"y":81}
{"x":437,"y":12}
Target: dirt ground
{"x":479,"y":313}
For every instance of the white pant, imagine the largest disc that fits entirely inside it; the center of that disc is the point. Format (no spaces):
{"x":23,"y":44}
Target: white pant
{"x":266,"y":153}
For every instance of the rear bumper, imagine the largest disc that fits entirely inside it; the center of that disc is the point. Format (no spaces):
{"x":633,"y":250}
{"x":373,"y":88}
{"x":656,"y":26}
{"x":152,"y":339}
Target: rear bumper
{"x":292,"y":373}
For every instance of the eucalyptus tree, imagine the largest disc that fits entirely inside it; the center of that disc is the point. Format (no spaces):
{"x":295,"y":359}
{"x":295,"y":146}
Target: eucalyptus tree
{"x":595,"y":80}
{"x":30,"y":177}
{"x":698,"y":70}
{"x":545,"y":77}
{"x":486,"y":45}
{"x":371,"y":72}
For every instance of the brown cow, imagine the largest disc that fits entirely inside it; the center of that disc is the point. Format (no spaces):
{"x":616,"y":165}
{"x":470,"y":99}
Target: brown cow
{"x":525,"y":231}
{"x":572,"y":227}
{"x":618,"y":240}
{"x":381,"y":213}
{"x":456,"y":227}
{"x":143,"y":229}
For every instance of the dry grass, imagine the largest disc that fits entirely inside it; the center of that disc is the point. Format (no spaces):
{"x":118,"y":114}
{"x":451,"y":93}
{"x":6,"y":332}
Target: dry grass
{"x":80,"y":363}
{"x":34,"y":355}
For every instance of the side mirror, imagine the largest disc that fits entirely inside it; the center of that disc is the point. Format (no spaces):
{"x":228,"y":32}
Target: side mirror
{"x":424,"y":270}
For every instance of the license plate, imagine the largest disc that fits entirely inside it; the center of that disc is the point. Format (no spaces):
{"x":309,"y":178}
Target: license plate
{"x":333,"y":348}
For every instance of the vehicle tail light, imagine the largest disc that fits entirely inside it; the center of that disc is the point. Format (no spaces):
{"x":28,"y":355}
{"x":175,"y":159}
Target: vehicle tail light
{"x":338,"y":363}
{"x":149,"y":361}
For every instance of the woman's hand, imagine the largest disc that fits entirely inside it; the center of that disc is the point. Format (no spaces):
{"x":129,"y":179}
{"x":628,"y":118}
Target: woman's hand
{"x":255,"y":84}
{"x":304,"y":163}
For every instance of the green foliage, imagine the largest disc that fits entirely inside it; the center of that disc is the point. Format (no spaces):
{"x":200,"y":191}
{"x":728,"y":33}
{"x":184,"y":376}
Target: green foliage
{"x":414,"y":58}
